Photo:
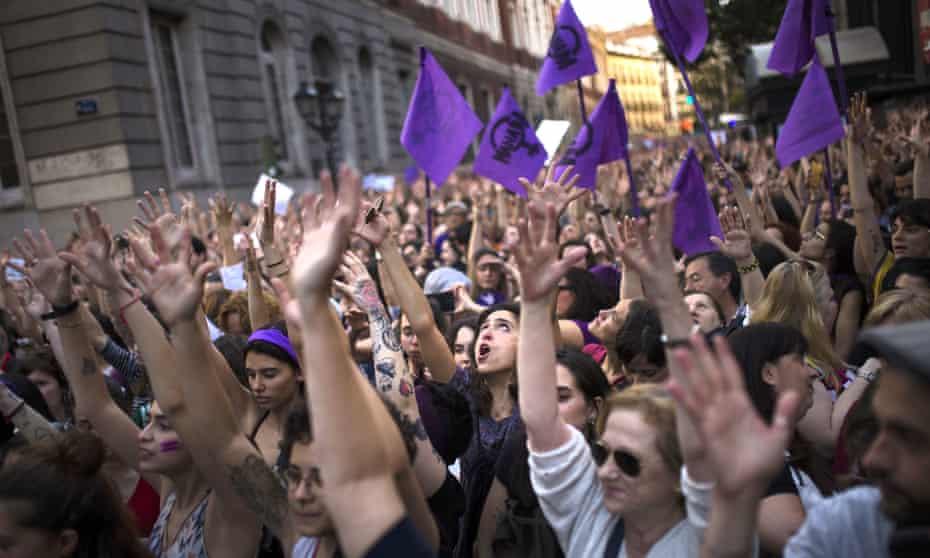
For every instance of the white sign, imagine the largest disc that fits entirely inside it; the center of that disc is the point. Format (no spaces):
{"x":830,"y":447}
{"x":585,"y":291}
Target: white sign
{"x":233,"y":277}
{"x":12,"y":274}
{"x":378,"y":182}
{"x":283,"y":194}
{"x":550,"y":133}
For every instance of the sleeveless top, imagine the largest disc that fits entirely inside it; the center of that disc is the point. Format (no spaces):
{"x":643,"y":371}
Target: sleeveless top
{"x":189,"y":542}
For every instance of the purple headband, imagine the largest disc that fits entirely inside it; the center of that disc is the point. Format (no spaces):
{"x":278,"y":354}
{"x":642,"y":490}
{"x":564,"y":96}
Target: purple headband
{"x":276,"y":338}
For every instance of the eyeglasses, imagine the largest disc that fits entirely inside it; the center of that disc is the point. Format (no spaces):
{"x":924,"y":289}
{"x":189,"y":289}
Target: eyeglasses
{"x":626,"y":461}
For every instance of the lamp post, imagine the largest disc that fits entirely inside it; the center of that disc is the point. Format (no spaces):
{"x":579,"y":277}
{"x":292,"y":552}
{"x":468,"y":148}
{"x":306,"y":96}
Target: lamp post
{"x":321,"y":105}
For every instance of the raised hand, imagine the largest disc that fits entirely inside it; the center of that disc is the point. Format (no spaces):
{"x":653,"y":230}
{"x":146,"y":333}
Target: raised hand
{"x":222,"y":210}
{"x":736,"y":241}
{"x":559,"y":192}
{"x":358,"y":284}
{"x":859,"y":118}
{"x":175,"y":291}
{"x":93,"y":259}
{"x":327,"y":224}
{"x":537,"y":253}
{"x":371,"y":224}
{"x":50,"y":274}
{"x":919,"y":137}
{"x":264,"y":225}
{"x":162,"y":217}
{"x":725,"y":172}
{"x":655,"y":261}
{"x":743,"y":451}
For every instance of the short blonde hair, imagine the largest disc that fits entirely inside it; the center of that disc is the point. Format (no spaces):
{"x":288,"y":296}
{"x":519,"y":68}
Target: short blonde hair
{"x":898,"y":306}
{"x":657,"y":409}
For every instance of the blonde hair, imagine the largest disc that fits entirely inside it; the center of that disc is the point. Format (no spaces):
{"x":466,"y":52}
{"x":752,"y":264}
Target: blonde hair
{"x":898,"y":306}
{"x":657,"y":409}
{"x":792,"y":296}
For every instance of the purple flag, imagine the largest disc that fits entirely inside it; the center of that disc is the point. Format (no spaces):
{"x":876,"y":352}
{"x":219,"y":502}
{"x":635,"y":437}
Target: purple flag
{"x":509,"y":149}
{"x":569,"y":56}
{"x":695,"y":218}
{"x":803,"y":22}
{"x":440,"y":125}
{"x":411,"y":174}
{"x":602,"y":139}
{"x":683,"y":24}
{"x":813,"y":122}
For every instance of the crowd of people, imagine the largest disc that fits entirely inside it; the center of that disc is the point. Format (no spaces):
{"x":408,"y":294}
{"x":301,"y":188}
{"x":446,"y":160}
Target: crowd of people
{"x":490,"y":376}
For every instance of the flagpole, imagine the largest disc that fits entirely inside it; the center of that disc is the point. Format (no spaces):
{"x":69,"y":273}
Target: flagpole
{"x":429,"y":212}
{"x":828,"y":172}
{"x":634,"y":197}
{"x":584,"y":113}
{"x":837,"y":64}
{"x":697,"y":104}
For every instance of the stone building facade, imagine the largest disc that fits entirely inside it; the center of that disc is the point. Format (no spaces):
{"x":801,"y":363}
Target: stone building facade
{"x":103,"y":99}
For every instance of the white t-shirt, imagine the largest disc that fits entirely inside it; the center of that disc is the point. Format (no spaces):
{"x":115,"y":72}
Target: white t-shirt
{"x":571,"y":498}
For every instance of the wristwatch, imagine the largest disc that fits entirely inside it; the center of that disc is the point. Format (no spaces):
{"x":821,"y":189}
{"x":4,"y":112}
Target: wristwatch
{"x":869,"y":374}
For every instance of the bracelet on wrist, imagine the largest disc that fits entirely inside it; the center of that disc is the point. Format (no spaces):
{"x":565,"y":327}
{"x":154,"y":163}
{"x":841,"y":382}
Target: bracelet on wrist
{"x":122,"y":309}
{"x":60,"y":311}
{"x":673,"y":342}
{"x":749,"y":268}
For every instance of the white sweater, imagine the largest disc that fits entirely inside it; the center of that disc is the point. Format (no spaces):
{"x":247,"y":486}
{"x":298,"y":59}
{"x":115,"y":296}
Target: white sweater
{"x":571,"y":498}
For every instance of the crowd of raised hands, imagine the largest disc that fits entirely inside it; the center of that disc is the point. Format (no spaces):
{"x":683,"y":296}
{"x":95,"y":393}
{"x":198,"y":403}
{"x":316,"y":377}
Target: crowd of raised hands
{"x":547,"y":376}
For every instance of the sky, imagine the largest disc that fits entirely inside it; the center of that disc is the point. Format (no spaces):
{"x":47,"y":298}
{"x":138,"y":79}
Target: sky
{"x":612,"y":14}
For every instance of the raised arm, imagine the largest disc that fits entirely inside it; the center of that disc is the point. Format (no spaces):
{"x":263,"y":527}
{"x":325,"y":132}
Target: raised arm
{"x":743,"y":453}
{"x":868,"y":234}
{"x":920,"y":141}
{"x":737,"y":244}
{"x":258,"y":310}
{"x":436,"y":353}
{"x":540,"y":271}
{"x":223,"y":215}
{"x":655,"y":261}
{"x":52,"y":277}
{"x":30,"y":424}
{"x":248,"y":490}
{"x":356,"y":467}
{"x":392,"y":376}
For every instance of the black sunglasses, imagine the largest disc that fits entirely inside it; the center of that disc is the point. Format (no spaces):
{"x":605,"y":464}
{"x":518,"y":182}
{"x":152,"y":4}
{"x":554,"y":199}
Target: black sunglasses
{"x":626,"y":461}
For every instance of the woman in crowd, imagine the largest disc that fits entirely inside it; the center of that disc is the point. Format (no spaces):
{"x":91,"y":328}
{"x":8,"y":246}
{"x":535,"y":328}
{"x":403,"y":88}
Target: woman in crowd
{"x":512,"y":523}
{"x":55,"y":501}
{"x":43,"y":370}
{"x":461,"y":337}
{"x":624,"y":496}
{"x":196,"y":519}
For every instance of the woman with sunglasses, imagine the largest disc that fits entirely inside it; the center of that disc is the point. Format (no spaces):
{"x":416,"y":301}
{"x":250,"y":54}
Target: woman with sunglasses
{"x":625,"y":496}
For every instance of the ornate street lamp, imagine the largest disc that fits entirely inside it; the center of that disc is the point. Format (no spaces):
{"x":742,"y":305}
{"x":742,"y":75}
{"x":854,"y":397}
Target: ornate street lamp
{"x":321,"y":106}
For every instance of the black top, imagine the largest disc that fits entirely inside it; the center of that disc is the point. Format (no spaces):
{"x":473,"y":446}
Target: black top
{"x":447,"y":506}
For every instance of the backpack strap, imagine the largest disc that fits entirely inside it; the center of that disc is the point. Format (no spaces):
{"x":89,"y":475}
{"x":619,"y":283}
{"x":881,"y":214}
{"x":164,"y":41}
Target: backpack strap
{"x":615,"y":541}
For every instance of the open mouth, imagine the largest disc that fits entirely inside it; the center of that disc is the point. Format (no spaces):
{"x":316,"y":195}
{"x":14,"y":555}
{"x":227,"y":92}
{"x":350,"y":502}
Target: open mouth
{"x":483,"y":351}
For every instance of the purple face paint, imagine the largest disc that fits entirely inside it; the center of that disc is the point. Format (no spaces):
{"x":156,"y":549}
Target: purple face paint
{"x":172,"y":445}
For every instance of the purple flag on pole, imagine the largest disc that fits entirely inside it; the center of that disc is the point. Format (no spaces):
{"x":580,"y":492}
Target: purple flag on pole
{"x":803,"y":22}
{"x":569,"y":56}
{"x":695,"y":218}
{"x":602,"y":139}
{"x":813,"y":122}
{"x":509,"y":149}
{"x":440,"y":125}
{"x":683,"y":23}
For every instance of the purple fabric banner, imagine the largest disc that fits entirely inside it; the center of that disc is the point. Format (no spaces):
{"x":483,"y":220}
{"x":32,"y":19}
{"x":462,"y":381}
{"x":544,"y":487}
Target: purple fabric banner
{"x":602,"y":139}
{"x":440,"y":125}
{"x":802,"y":23}
{"x":813,"y":122}
{"x":509,"y":149}
{"x":695,"y":218}
{"x":683,"y":23}
{"x":569,"y":56}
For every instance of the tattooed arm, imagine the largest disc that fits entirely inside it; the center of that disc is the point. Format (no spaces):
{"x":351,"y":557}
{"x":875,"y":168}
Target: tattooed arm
{"x":27,"y":421}
{"x":868,"y":234}
{"x":393,"y":377}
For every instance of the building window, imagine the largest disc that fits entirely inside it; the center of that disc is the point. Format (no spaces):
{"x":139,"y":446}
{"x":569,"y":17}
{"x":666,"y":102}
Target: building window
{"x":271,"y":60}
{"x":9,"y":171}
{"x":172,"y":89}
